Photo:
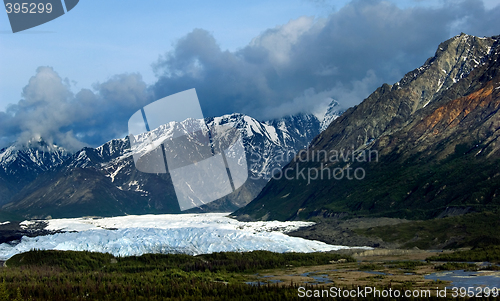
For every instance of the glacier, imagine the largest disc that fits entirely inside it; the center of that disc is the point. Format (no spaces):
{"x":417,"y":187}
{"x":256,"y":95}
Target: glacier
{"x":191,"y":234}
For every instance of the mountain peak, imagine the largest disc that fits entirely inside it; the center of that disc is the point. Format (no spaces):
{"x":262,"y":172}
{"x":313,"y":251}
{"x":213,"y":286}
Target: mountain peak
{"x":333,"y":111}
{"x":40,"y":144}
{"x":454,"y":60}
{"x":35,"y":154}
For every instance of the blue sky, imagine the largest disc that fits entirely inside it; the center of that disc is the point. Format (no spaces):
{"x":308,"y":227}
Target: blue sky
{"x":84,"y":73}
{"x":99,"y":39}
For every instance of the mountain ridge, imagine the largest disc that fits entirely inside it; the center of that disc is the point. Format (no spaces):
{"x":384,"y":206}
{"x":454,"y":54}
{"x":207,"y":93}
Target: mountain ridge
{"x":105,"y":177}
{"x":419,"y":128}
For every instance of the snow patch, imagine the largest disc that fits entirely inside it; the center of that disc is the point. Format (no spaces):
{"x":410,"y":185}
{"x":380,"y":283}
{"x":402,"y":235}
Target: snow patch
{"x":113,"y":174}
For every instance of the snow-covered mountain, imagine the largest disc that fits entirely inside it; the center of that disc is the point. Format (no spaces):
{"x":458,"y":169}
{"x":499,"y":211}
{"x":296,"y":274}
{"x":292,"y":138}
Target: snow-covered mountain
{"x":20,"y":164}
{"x":35,"y":156}
{"x":104,"y":180}
{"x":333,"y":111}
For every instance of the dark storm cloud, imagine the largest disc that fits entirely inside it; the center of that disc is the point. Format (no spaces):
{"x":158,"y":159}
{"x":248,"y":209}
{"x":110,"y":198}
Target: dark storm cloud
{"x":49,"y":110}
{"x":299,"y":66}
{"x":296,"y":67}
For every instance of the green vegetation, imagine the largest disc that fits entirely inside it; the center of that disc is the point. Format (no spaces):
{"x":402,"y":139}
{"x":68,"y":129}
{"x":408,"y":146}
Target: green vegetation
{"x":489,"y":253}
{"x":469,"y":230}
{"x":460,"y":260}
{"x":247,"y":262}
{"x":68,"y":275}
{"x":67,"y":260}
{"x":405,"y":265}
{"x":450,"y":266}
{"x":417,"y":187}
{"x":370,"y":267}
{"x":7,"y":216}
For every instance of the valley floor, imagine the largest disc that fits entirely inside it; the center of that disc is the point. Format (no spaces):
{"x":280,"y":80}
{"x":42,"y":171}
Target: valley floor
{"x":402,"y":259}
{"x":258,"y":275}
{"x":384,"y":268}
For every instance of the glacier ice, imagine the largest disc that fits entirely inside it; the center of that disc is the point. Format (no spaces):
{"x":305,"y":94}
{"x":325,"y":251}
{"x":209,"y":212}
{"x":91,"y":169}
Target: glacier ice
{"x":187,"y":233}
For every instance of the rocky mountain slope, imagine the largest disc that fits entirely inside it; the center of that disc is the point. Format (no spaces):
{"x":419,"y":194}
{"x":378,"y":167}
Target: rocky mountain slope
{"x":424,"y":147}
{"x":103,"y":181}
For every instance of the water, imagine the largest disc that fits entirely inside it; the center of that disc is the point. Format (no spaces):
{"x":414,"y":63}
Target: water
{"x":320,"y":279}
{"x":461,"y":278}
{"x":376,"y":272}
